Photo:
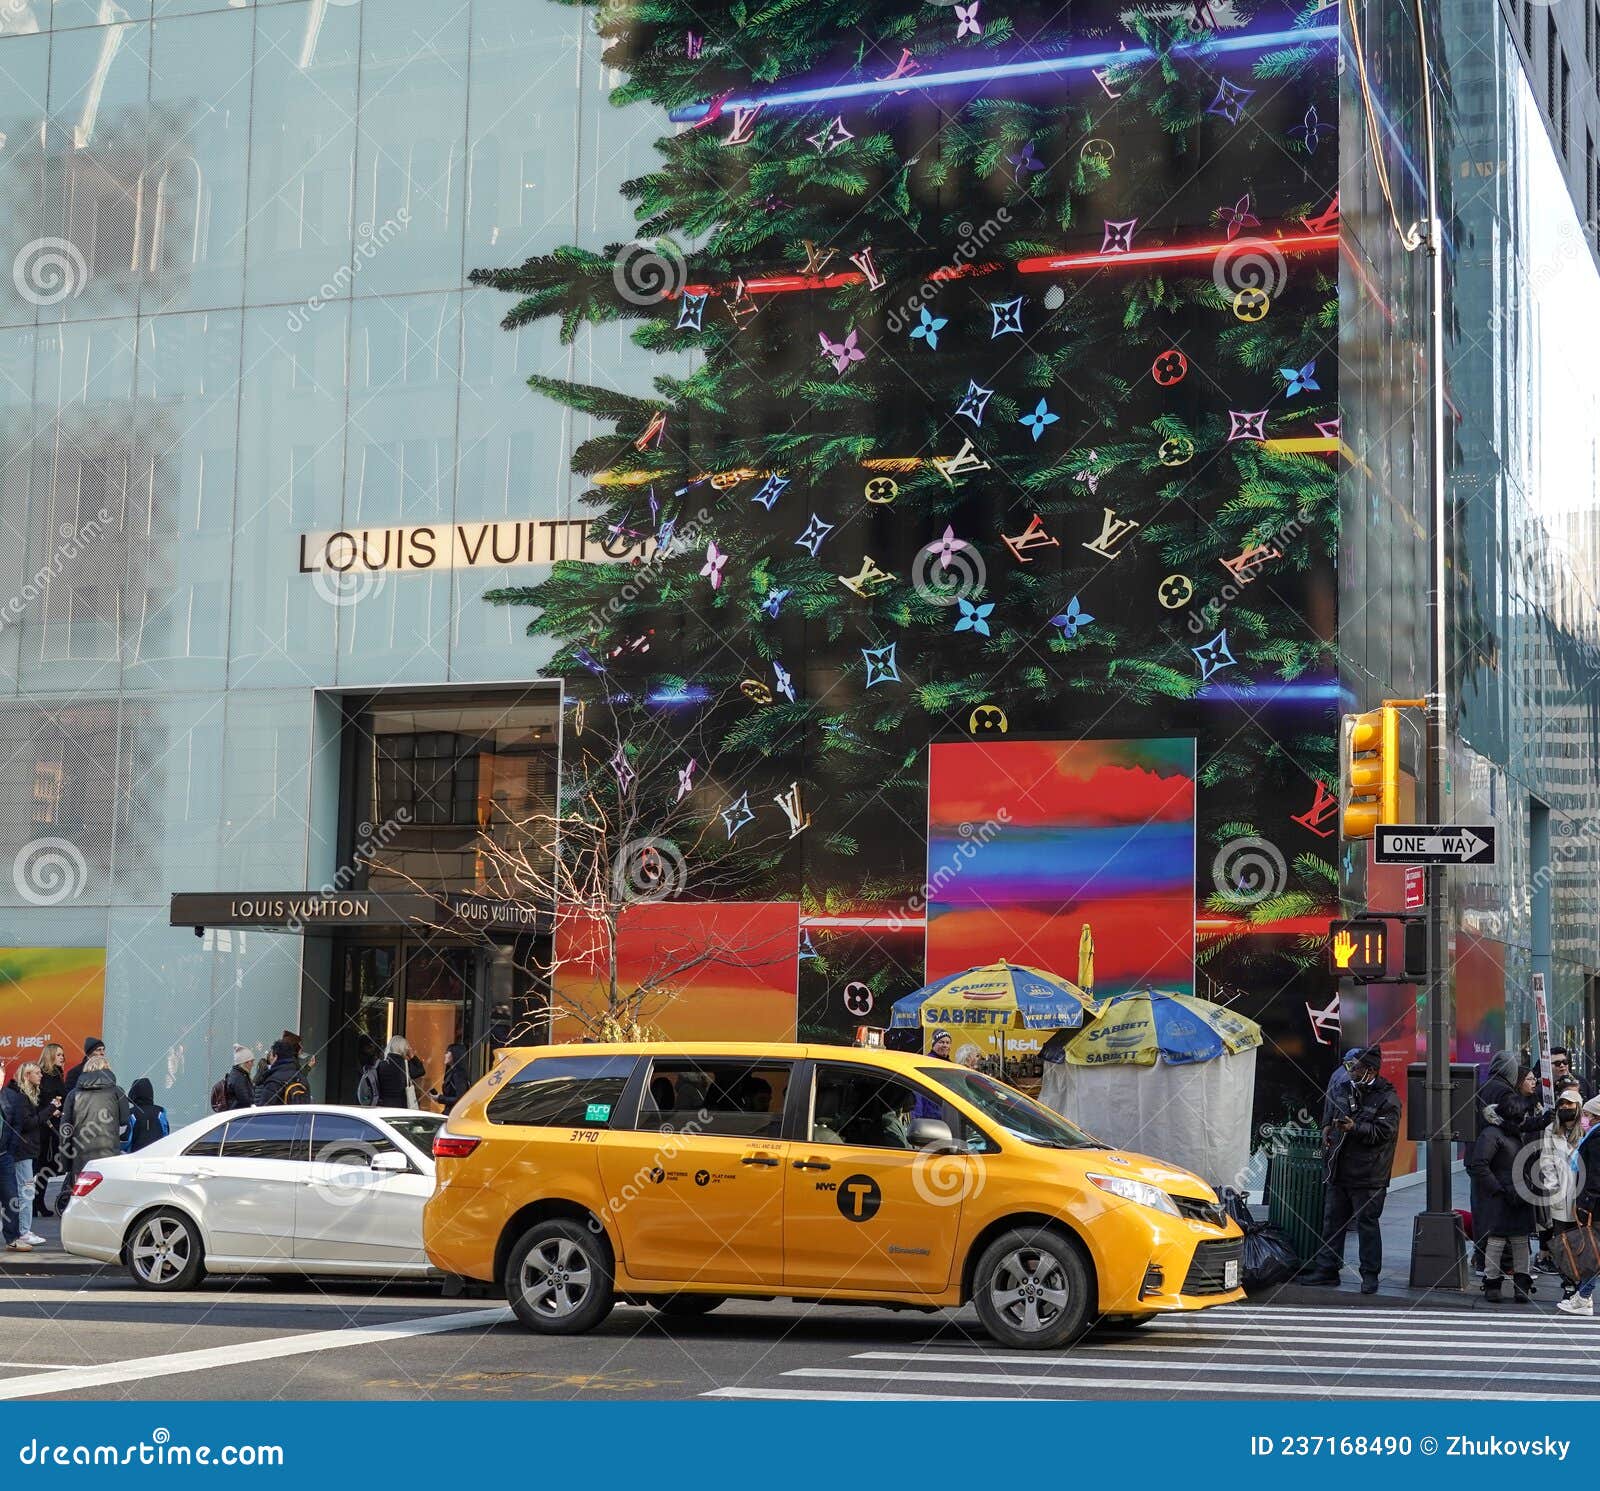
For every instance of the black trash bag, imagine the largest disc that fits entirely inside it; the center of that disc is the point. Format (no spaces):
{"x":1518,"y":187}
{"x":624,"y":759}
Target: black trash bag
{"x":1266,"y":1258}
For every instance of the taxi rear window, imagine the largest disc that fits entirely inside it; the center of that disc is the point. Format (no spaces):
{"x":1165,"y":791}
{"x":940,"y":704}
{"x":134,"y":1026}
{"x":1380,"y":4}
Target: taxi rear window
{"x":563,"y":1092}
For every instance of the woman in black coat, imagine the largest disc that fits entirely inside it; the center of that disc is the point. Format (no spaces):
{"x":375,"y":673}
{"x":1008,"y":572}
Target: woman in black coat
{"x":456,"y":1080}
{"x":1503,"y":1213}
{"x":52,"y":1094}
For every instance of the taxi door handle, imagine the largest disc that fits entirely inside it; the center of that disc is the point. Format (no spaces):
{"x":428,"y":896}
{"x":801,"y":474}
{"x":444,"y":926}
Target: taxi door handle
{"x":812,"y":1165}
{"x":759,"y":1159}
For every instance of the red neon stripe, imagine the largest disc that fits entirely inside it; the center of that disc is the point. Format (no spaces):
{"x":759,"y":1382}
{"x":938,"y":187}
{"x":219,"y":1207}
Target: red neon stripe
{"x":1299,"y":244}
{"x":787,"y":284}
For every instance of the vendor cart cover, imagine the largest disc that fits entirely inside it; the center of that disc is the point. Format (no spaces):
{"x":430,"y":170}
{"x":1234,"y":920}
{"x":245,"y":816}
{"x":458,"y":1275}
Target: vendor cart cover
{"x":1193,"y":1114}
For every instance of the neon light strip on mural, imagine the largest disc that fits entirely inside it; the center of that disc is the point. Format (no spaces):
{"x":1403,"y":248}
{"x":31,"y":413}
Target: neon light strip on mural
{"x":788,"y":284}
{"x":1034,"y":67}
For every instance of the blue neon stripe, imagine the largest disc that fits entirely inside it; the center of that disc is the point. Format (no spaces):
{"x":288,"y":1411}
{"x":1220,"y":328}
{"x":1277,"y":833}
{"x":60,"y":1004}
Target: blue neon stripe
{"x":1038,"y":67}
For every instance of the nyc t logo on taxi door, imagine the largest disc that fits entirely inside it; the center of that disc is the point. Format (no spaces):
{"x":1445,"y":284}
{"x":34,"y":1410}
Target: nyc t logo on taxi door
{"x":859,"y":1198}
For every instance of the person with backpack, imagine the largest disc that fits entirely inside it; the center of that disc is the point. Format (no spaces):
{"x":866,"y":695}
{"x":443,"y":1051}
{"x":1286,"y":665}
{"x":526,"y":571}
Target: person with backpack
{"x":283,"y":1082}
{"x":234,"y":1089}
{"x":94,"y":1118}
{"x":149,"y":1117}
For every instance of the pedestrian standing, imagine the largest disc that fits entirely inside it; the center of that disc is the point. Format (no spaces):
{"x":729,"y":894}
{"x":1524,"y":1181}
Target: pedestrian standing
{"x":1497,"y":1086}
{"x":1562,"y":1075}
{"x":1557,"y":1178}
{"x":453,"y":1086}
{"x":1586,"y":1202}
{"x":95,"y":1117}
{"x":1360,"y":1154}
{"x":1507,"y":1216}
{"x":282,"y":1082}
{"x":1337,"y":1097}
{"x":238,"y":1090}
{"x":52,"y":1094}
{"x":19,"y":1108}
{"x":393,"y":1071}
{"x":90,"y":1046}
{"x":149,"y":1117}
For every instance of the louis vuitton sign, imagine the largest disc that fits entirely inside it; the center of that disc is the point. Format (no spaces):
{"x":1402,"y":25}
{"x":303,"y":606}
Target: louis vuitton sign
{"x":498,"y":544}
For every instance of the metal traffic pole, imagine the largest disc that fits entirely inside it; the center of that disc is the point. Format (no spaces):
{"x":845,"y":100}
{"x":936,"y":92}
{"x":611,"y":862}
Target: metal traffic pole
{"x":1438,"y":1252}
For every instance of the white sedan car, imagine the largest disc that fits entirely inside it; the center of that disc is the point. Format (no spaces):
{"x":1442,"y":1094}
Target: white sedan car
{"x":302,"y":1190}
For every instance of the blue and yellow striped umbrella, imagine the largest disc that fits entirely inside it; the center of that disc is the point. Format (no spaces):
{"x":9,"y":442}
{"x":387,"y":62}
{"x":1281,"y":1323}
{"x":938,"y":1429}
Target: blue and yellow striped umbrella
{"x":1002,"y":993}
{"x":1135,"y":1028}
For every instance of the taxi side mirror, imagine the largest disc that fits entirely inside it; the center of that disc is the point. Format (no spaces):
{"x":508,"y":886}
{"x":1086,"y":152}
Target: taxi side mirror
{"x":932,"y":1135}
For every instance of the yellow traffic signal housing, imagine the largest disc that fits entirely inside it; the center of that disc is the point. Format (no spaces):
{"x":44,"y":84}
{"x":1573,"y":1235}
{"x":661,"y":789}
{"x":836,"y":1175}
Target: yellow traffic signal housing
{"x":1369,"y":761}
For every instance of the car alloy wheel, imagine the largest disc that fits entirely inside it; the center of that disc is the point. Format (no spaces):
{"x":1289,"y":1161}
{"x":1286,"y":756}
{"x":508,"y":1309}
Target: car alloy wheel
{"x":1032,"y":1289}
{"x":559,"y":1279}
{"x":556,"y":1278}
{"x":164,"y":1252}
{"x":1029,"y":1290}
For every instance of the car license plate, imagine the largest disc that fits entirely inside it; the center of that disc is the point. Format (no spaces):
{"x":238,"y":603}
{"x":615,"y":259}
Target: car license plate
{"x":1230,"y":1274}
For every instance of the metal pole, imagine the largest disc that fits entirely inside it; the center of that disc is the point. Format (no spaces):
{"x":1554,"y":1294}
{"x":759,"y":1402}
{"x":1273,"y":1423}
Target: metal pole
{"x":1437,"y":1258}
{"x":1437,"y":736}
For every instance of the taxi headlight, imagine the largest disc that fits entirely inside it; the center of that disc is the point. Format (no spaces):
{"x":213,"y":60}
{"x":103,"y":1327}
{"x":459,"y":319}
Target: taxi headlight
{"x":1137,"y":1190}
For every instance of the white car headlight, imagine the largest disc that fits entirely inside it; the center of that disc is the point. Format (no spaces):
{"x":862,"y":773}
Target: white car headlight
{"x":1137,"y":1190}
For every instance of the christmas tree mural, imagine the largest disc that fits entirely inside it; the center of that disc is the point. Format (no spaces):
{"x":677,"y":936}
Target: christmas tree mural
{"x":1013,"y":415}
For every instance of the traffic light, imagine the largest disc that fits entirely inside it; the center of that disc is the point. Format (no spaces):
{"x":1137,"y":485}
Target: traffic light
{"x":1369,"y":764}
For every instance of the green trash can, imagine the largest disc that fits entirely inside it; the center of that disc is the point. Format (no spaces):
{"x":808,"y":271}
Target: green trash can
{"x":1295,"y":1183}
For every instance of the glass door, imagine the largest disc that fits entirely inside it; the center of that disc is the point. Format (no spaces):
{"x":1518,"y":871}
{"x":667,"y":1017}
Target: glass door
{"x":439,"y":985}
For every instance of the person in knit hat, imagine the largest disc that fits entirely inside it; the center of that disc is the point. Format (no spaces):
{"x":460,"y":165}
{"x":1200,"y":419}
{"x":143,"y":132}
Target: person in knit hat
{"x":90,"y":1046}
{"x":241,"y":1092}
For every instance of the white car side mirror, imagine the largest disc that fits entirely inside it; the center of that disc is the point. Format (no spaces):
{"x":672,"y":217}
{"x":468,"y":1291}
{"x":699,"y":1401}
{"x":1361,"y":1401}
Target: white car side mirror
{"x":391,"y":1163}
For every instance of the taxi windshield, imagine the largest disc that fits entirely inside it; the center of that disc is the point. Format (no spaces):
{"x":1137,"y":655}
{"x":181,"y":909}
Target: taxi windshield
{"x":1019,"y":1116}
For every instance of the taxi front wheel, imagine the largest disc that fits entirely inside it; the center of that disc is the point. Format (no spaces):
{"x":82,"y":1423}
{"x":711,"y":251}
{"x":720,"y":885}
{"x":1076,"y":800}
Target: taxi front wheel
{"x":558,"y":1280}
{"x":1031,"y":1288}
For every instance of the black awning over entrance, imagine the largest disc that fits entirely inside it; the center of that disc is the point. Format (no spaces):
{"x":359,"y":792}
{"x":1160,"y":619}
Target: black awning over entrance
{"x":328,"y":913}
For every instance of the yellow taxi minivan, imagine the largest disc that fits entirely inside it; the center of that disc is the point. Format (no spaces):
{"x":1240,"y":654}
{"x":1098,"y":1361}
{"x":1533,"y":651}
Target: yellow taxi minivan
{"x":681,"y":1176}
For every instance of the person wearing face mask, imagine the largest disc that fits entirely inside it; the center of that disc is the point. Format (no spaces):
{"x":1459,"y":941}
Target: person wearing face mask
{"x":1360,"y":1154}
{"x":1556,"y":1179}
{"x":1586,"y":1202}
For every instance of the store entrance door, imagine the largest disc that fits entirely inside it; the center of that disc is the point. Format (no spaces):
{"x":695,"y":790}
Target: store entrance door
{"x":408,"y":987}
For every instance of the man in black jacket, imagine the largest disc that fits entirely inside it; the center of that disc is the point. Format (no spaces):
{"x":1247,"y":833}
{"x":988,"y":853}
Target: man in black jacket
{"x":283,"y":1082}
{"x":1360,"y":1153}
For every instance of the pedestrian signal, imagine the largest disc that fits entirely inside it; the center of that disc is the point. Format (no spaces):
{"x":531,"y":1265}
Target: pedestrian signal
{"x":1358,"y":949}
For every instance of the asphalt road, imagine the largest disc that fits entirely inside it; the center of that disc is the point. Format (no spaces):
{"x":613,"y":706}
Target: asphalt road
{"x":76,"y":1337}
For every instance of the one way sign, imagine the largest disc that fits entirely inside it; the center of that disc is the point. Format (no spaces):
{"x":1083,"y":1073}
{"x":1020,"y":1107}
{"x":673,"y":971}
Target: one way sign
{"x":1435,"y":844}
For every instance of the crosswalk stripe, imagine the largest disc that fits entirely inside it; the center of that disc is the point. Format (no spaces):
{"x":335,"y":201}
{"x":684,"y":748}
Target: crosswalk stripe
{"x":1548,"y":1330}
{"x":1467,"y":1314}
{"x":1099,"y":1383}
{"x":812,"y":1395}
{"x":1402,"y":1368}
{"x":1181,"y":1353}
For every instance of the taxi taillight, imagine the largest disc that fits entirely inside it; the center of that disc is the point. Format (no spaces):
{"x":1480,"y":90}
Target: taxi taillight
{"x":453,"y":1146}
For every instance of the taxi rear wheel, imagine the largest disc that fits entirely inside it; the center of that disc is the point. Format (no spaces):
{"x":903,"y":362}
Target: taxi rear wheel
{"x":558,"y":1279}
{"x":1032,"y":1290}
{"x":687,"y":1306}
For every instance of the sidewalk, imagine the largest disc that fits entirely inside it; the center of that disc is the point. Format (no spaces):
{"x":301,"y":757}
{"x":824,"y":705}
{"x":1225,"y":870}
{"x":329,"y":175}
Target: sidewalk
{"x":50,"y":1259}
{"x":1394,"y":1282}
